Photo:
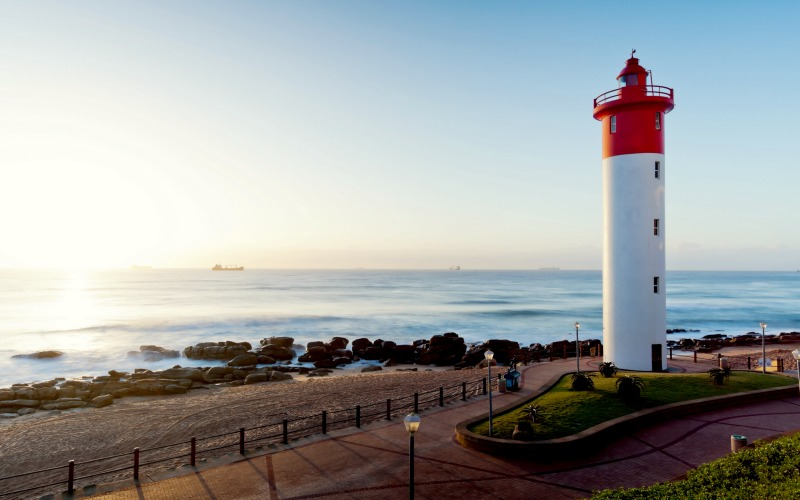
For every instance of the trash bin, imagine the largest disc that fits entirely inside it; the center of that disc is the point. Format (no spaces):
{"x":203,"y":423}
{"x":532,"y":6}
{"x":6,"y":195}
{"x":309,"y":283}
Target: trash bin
{"x":501,"y":384}
{"x":738,"y":442}
{"x":512,"y":379}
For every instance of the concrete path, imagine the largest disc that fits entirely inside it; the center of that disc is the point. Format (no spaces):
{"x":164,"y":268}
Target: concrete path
{"x":372,"y":462}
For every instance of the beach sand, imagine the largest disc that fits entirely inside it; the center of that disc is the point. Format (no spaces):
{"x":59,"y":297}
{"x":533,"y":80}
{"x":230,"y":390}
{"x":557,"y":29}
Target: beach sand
{"x":45,"y":440}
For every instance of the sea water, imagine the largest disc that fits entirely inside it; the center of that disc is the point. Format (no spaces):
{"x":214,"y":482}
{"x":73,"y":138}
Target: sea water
{"x":97,"y":317}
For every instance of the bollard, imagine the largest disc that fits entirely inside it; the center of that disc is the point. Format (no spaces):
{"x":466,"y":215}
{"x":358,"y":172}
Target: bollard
{"x":388,"y":409}
{"x":71,"y":477}
{"x":463,"y":391}
{"x":136,"y":464}
{"x":193,"y":452}
{"x":241,"y":440}
{"x":358,"y":416}
{"x":285,"y":431}
{"x":416,"y":402}
{"x":441,"y":396}
{"x":324,"y":421}
{"x":738,"y":442}
{"x":748,"y":362}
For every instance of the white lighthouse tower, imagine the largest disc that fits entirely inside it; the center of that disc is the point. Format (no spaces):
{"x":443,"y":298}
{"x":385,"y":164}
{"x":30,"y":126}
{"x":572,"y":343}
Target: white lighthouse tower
{"x":634,"y":284}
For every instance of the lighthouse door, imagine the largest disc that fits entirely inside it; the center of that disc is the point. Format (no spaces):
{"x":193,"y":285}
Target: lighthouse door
{"x":656,"y":357}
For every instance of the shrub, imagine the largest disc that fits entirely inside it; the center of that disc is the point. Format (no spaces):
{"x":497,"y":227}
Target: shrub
{"x":629,"y":387}
{"x":582,"y":381}
{"x":532,"y":412}
{"x":608,"y":369}
{"x":719,"y":375}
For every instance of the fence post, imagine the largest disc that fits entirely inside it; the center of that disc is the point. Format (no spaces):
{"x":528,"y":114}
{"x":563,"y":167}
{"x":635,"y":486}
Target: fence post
{"x":241,"y":440}
{"x":285,"y":431}
{"x":324,"y":421}
{"x":670,"y":353}
{"x":416,"y":402}
{"x":388,"y":409}
{"x":71,"y":478}
{"x":136,"y":464}
{"x":463,"y":391}
{"x":358,"y":416}
{"x":441,"y":396}
{"x":695,"y":355}
{"x":193,"y":459}
{"x":748,"y":362}
{"x":484,"y":386}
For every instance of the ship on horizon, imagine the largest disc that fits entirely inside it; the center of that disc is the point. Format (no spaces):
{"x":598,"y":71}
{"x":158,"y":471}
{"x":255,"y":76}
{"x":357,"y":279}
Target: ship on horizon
{"x":220,"y":267}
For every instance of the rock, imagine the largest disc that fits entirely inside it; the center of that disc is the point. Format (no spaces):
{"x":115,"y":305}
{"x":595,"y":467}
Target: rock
{"x":324,"y":363}
{"x":45,"y":393}
{"x":21,"y":403}
{"x":523,"y":431}
{"x":278,"y":341}
{"x":217,"y":350}
{"x":256,"y":378}
{"x":63,"y":405}
{"x":194,"y":374}
{"x":248,"y":359}
{"x":373,"y":368}
{"x":337,"y":343}
{"x":175,"y":389}
{"x":7,"y":394}
{"x":101,"y":401}
{"x":118,"y":375}
{"x":266,"y":360}
{"x":25,"y":411}
{"x":49,"y":383}
{"x":359,"y":345}
{"x":277,"y":352}
{"x":341,"y":361}
{"x":40,"y":355}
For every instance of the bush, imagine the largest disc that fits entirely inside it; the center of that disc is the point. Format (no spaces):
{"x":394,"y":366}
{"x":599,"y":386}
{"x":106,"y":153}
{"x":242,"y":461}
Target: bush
{"x":719,"y":375}
{"x":608,"y":369}
{"x":629,"y":387}
{"x":582,"y":381}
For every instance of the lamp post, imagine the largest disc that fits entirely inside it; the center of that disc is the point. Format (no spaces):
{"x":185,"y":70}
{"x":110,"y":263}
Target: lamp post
{"x":763,"y":349}
{"x":577,"y":347}
{"x":796,"y":354}
{"x":412,"y":424}
{"x":489,"y":356}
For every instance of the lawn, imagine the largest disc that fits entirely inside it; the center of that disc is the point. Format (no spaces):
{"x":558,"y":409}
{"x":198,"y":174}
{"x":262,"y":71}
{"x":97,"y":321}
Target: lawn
{"x":770,"y":470}
{"x":565,"y":412}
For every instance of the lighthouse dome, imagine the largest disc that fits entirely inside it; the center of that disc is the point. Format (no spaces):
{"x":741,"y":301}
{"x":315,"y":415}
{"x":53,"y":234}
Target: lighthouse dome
{"x":632,"y":74}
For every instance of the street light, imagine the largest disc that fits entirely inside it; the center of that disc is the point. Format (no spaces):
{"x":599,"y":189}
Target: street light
{"x":796,"y":354}
{"x":763,"y":349}
{"x":577,"y":346}
{"x":412,"y":424}
{"x":489,"y":355}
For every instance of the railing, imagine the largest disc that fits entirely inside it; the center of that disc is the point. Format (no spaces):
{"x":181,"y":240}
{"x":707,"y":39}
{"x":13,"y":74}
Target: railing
{"x":649,"y":90}
{"x":281,"y":431}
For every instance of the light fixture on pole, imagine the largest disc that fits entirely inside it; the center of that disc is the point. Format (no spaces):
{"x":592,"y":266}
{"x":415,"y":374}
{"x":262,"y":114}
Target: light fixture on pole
{"x":796,"y":354}
{"x":577,"y":346}
{"x":412,"y":424}
{"x":763,"y":348}
{"x":489,"y":356}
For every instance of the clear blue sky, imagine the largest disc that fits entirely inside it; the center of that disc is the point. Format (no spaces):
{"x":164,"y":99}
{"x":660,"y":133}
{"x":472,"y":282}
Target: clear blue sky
{"x":391,"y":134}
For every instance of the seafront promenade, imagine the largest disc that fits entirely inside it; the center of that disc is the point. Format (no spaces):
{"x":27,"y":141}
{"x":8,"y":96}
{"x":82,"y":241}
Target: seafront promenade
{"x":372,"y":462}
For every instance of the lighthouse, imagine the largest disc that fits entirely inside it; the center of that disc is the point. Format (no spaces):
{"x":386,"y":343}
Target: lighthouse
{"x":634,"y":169}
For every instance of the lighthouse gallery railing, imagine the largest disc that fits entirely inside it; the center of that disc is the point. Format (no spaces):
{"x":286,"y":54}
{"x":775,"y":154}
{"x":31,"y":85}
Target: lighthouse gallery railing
{"x":649,"y":90}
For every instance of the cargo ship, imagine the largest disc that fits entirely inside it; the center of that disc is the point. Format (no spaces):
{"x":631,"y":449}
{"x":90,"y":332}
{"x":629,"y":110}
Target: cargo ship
{"x":219,"y":267}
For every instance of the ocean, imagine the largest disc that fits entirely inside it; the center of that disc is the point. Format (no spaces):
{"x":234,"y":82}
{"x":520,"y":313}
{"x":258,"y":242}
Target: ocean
{"x":97,"y":317}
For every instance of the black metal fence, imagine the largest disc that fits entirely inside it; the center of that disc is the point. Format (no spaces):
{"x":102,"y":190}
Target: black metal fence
{"x":111,"y":468}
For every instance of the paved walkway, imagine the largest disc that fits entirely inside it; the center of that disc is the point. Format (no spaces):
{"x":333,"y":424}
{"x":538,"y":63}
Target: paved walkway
{"x":372,"y":462}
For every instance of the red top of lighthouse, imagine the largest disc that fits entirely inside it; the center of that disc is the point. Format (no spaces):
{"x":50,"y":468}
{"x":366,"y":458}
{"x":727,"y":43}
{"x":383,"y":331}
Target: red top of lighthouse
{"x":633,"y":113}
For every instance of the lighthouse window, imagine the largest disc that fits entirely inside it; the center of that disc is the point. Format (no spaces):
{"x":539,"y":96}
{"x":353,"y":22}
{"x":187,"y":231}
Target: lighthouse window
{"x":655,"y":227}
{"x":613,"y":124}
{"x":658,"y":120}
{"x":658,"y":170}
{"x":655,"y":284}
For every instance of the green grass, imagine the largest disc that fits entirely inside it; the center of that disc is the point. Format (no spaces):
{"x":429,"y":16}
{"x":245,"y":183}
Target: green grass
{"x":566,"y":412}
{"x":770,"y":470}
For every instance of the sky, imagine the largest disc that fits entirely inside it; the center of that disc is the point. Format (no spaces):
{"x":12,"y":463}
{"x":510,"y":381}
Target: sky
{"x":391,"y":134}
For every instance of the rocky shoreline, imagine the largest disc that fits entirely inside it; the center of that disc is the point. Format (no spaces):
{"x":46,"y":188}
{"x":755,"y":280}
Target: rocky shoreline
{"x":274,"y":359}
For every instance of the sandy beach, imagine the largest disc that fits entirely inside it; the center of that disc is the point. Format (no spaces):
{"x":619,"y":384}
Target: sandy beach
{"x":46,"y":440}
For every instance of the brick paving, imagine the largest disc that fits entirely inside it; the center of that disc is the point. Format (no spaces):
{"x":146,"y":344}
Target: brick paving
{"x":372,"y":462}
